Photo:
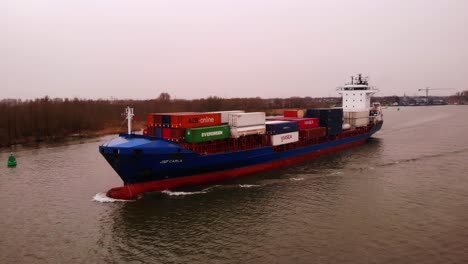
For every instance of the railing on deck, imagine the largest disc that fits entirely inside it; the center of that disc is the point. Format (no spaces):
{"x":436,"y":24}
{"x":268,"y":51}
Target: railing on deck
{"x":258,"y":141}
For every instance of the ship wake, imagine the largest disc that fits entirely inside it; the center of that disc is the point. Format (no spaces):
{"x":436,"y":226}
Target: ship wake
{"x":171,"y":193}
{"x":249,"y":185}
{"x":103,"y":198}
{"x":297,"y":179}
{"x":423,"y":157}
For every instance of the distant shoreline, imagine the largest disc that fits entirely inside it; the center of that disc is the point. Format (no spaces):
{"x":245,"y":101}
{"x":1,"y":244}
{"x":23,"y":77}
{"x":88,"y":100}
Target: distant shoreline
{"x":66,"y":139}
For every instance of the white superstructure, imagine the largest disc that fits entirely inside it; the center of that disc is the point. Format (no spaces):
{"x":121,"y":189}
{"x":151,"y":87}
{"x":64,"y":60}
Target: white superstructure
{"x":357,"y":94}
{"x":357,"y":108}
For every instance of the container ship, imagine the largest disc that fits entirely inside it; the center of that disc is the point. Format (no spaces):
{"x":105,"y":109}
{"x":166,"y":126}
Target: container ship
{"x":190,"y":148}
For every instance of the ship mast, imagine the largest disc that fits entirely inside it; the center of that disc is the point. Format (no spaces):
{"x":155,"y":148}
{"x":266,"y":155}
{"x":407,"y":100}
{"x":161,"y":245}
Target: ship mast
{"x":129,"y":116}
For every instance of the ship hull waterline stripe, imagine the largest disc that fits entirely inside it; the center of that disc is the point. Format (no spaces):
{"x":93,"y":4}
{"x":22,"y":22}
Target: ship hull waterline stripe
{"x":131,"y":191}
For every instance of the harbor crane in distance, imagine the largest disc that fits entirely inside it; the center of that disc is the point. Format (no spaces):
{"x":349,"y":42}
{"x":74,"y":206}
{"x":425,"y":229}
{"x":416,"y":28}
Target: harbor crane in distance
{"x":427,"y":91}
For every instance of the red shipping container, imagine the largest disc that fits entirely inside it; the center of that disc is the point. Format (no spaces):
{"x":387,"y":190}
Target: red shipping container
{"x":150,"y":120}
{"x":155,"y":119}
{"x":304,"y":123}
{"x":294,"y":113}
{"x":175,"y":118}
{"x":150,"y":131}
{"x":169,"y":118}
{"x":177,"y":134}
{"x":313,"y":133}
{"x":166,"y":133}
{"x":158,"y":120}
{"x":186,"y":120}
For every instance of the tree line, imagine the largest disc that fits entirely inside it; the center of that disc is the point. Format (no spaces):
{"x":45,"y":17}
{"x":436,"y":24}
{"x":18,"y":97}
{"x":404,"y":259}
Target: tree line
{"x":49,"y":119}
{"x":462,"y":96}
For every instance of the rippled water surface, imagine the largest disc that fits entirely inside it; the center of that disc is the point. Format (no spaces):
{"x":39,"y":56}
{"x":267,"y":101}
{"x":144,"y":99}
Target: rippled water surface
{"x":400,"y":198}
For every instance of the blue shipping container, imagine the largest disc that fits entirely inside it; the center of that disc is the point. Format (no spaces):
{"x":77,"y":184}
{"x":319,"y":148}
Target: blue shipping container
{"x":329,"y":117}
{"x":166,"y":120}
{"x":281,"y":127}
{"x":158,"y":132}
{"x":325,"y":113}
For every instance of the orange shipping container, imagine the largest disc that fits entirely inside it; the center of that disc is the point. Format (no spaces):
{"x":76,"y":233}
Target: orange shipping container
{"x":195,"y":120}
{"x":175,"y":118}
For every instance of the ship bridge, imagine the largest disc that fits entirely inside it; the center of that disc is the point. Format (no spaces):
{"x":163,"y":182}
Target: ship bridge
{"x":357,"y":94}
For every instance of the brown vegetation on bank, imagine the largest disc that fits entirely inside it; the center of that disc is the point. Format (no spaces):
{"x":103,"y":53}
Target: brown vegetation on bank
{"x":48,"y":119}
{"x":461,"y":97}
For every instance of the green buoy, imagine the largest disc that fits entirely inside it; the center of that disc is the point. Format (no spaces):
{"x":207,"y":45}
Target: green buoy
{"x":11,"y":161}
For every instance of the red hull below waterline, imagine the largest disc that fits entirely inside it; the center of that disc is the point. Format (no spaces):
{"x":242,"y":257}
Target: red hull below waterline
{"x":131,"y":191}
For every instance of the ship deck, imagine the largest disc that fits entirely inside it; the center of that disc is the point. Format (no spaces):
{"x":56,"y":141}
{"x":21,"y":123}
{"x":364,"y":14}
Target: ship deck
{"x":259,"y":141}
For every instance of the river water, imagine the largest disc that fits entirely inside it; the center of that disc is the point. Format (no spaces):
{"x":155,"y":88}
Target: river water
{"x":400,"y":198}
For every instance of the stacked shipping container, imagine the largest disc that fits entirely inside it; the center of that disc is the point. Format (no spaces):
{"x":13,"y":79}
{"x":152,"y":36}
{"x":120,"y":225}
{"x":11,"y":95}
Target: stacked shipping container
{"x":331,"y":118}
{"x":237,"y":132}
{"x":187,"y":120}
{"x":308,"y":127}
{"x":225,"y":115}
{"x":282,"y":132}
{"x":285,"y":138}
{"x":246,"y":119}
{"x":280,"y":127}
{"x":357,"y":118}
{"x":158,"y":132}
{"x":172,"y":126}
{"x":312,"y":133}
{"x":203,"y":134}
{"x":296,"y":113}
{"x":202,"y":127}
{"x":243,"y":124}
{"x":304,"y":123}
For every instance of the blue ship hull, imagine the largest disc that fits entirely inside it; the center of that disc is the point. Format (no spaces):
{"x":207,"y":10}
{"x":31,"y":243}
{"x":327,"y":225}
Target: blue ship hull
{"x":149,"y":164}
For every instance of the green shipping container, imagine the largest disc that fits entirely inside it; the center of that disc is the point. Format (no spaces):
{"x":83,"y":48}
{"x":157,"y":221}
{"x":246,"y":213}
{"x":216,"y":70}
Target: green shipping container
{"x":202,"y":134}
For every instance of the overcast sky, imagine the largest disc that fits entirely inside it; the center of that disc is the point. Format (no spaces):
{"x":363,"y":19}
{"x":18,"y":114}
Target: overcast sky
{"x":197,"y":48}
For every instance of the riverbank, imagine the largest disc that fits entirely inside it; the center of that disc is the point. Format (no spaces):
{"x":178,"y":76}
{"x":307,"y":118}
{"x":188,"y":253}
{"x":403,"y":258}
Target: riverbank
{"x":74,"y":138}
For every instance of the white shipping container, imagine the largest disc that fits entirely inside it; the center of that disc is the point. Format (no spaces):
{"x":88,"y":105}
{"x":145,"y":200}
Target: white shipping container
{"x":225,"y":114}
{"x":272,"y":122}
{"x":245,"y":131}
{"x":357,"y":122}
{"x":273,"y":117}
{"x":356,"y":114}
{"x":285,"y":138}
{"x":246,"y":119}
